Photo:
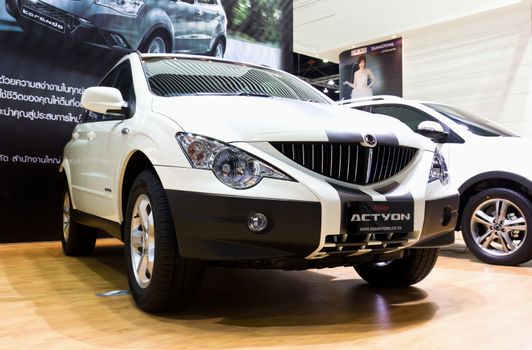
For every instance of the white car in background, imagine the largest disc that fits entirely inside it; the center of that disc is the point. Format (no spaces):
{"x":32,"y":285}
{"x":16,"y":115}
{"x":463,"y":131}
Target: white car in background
{"x":489,"y":166}
{"x":193,"y":161}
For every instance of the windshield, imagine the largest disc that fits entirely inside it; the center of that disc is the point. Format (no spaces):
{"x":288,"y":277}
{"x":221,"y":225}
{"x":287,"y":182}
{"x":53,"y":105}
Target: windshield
{"x":470,"y":122}
{"x":172,"y":76}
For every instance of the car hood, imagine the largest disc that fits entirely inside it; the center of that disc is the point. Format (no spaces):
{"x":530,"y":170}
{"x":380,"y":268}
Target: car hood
{"x":256,"y":119}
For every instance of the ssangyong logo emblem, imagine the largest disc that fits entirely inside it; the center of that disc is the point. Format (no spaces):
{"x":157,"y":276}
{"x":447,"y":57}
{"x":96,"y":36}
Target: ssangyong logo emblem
{"x":369,"y":140}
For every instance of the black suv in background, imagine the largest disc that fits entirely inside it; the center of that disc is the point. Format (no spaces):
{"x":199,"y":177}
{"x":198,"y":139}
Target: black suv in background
{"x":153,"y":26}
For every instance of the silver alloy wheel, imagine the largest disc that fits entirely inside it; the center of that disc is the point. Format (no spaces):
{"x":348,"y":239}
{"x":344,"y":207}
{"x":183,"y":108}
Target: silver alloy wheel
{"x":157,"y":45}
{"x":219,"y":50}
{"x":498,"y":227}
{"x":66,"y":217}
{"x":142,"y":242}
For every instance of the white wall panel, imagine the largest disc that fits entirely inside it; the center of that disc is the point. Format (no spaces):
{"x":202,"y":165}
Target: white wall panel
{"x":482,"y":63}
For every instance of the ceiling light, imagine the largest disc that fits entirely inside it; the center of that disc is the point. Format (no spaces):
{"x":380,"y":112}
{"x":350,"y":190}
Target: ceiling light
{"x":325,"y":90}
{"x":330,"y":82}
{"x":325,"y":60}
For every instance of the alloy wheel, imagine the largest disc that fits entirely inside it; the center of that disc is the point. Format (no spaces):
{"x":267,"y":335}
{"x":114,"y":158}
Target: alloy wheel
{"x":499,"y":227}
{"x":157,"y":45}
{"x":219,"y":50}
{"x":142,"y":241}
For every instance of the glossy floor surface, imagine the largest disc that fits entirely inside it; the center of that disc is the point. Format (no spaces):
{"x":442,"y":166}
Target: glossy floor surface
{"x":48,"y":300}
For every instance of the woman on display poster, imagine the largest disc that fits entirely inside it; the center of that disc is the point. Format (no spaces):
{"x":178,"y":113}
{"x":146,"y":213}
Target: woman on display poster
{"x":363,"y":80}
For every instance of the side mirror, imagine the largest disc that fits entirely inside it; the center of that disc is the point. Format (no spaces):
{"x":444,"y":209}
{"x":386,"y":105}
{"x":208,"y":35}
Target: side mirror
{"x":433,"y":131}
{"x":104,"y":100}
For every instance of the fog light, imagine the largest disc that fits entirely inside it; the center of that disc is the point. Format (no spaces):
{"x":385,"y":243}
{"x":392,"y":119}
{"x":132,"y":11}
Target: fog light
{"x":118,"y":40}
{"x":446,"y":216}
{"x":257,"y":222}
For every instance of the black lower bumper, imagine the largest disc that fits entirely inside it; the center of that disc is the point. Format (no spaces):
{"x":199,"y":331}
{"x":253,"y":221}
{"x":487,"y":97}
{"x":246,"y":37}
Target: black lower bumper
{"x":440,"y":220}
{"x":213,"y":227}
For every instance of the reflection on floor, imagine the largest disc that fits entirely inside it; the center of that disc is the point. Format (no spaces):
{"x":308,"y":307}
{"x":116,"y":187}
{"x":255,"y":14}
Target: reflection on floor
{"x":48,"y":300}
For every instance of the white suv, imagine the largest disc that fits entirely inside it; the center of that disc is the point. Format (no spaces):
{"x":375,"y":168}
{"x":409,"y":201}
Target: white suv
{"x":488,"y":168}
{"x":194,"y":161}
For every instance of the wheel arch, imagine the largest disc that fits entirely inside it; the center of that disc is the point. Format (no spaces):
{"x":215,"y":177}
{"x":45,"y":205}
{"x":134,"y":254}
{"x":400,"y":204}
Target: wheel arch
{"x":159,"y":27}
{"x":136,"y":163}
{"x":492,"y":179}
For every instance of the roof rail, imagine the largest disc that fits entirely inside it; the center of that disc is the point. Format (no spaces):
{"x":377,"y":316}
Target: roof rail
{"x":370,"y":98}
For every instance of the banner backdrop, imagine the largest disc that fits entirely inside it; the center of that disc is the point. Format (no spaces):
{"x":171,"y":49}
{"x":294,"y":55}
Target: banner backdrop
{"x":51,"y":50}
{"x":382,"y":73}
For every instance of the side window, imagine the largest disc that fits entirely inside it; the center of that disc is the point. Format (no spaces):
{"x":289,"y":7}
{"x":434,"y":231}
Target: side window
{"x":364,"y":108}
{"x":119,"y":78}
{"x":208,"y":2}
{"x":189,"y":1}
{"x":409,"y":116}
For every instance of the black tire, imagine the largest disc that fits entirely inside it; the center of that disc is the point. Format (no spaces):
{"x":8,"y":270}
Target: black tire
{"x":219,"y":46}
{"x":473,"y":231}
{"x":411,"y":269}
{"x":173,"y":280}
{"x":158,"y":36}
{"x":76,"y":239}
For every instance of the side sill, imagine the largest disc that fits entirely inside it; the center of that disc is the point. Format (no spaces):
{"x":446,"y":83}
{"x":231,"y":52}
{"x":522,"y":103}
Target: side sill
{"x":111,"y":227}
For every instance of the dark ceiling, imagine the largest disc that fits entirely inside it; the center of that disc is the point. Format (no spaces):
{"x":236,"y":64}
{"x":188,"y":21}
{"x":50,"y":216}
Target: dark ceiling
{"x":318,"y":73}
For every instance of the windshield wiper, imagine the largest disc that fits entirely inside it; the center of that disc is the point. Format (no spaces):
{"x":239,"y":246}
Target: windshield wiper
{"x":254,"y":94}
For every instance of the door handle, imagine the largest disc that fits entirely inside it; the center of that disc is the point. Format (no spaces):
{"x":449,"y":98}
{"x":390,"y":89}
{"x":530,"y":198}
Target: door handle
{"x":199,"y":12}
{"x":91,"y":135}
{"x":75,"y":135}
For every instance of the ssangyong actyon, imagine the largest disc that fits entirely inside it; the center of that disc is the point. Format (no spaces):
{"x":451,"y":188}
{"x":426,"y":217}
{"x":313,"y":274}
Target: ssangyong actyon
{"x":197,"y":162}
{"x":157,"y":26}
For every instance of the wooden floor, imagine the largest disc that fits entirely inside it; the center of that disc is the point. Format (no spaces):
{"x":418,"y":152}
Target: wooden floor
{"x":48,"y":300}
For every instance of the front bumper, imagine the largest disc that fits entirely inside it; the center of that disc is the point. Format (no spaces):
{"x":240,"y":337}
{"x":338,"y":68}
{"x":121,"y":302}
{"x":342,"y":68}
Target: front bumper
{"x":215,"y":228}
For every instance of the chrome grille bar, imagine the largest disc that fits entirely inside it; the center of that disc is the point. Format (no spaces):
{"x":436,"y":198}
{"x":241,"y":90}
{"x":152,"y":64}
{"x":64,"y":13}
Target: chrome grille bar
{"x":350,"y":163}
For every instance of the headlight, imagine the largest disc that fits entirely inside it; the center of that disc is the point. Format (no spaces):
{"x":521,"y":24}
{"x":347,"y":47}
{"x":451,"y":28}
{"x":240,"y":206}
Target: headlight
{"x":439,"y":171}
{"x":231,"y":165}
{"x":128,"y":7}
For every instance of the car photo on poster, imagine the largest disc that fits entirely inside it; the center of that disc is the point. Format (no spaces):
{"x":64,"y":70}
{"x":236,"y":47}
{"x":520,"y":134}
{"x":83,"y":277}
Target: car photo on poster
{"x":153,"y":26}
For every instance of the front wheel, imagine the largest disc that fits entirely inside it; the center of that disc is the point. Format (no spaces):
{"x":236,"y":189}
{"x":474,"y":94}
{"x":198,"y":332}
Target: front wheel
{"x":495,"y":226}
{"x":411,"y":269}
{"x":159,"y":279}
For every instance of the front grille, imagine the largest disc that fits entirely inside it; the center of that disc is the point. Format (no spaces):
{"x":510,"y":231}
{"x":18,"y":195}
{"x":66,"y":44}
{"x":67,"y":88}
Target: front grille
{"x":71,"y":22}
{"x":351,"y":163}
{"x":352,"y":243}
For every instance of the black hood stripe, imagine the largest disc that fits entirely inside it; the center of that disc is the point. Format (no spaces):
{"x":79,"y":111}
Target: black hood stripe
{"x":336,"y":136}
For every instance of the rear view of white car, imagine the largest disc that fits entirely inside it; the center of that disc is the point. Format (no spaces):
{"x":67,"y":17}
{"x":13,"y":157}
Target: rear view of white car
{"x":197,"y":162}
{"x":489,"y":167}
